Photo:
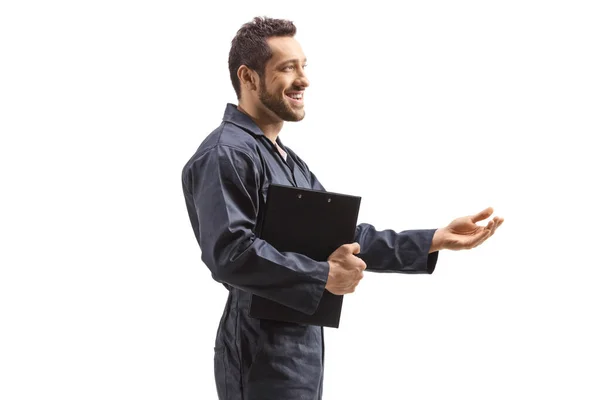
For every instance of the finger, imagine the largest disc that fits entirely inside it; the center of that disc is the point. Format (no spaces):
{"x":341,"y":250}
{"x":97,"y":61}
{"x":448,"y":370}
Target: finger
{"x":496,"y":225}
{"x":353,"y":288}
{"x":362,"y":265}
{"x":500,"y":222}
{"x":481,"y":215}
{"x":488,"y":228}
{"x":497,"y":221}
{"x":355,"y":248}
{"x":480,"y":238}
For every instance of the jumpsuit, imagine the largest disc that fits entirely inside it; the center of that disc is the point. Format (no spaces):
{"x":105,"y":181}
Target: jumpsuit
{"x":225,"y":185}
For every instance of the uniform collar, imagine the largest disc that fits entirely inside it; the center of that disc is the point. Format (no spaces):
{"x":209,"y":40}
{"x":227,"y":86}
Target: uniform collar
{"x":236,"y":117}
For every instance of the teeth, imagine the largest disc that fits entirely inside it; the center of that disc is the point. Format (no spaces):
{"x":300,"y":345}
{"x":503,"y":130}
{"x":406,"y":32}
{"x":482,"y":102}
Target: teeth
{"x":295,"y":96}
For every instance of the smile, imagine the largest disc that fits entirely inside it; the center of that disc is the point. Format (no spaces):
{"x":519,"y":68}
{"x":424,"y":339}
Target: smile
{"x":296,"y":97}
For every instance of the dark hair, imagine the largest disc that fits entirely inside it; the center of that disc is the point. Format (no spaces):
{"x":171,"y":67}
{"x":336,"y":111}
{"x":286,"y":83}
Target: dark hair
{"x":249,"y":46}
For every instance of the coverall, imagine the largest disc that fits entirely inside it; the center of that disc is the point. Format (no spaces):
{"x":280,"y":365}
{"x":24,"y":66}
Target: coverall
{"x":225,"y":185}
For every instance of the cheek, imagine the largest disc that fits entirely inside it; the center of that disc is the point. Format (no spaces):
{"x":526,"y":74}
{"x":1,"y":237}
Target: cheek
{"x":280,"y":84}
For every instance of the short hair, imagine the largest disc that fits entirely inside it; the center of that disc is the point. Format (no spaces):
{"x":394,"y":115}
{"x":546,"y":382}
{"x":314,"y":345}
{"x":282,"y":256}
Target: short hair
{"x":249,"y":46}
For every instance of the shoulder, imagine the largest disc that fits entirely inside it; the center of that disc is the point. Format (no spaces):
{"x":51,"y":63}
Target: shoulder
{"x":227,"y":143}
{"x":231,"y":136}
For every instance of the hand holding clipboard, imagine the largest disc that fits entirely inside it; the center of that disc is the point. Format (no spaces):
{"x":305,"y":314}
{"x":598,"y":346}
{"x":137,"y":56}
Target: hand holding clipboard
{"x":314,"y":223}
{"x":346,"y":270}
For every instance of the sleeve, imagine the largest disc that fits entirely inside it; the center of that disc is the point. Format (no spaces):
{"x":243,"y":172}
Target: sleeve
{"x":390,"y":251}
{"x":222,"y":189}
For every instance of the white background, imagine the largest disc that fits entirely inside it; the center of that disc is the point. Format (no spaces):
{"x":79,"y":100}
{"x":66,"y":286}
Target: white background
{"x":428,"y":110}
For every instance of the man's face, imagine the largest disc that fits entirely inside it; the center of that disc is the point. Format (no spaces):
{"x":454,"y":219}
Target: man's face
{"x":282,"y":86}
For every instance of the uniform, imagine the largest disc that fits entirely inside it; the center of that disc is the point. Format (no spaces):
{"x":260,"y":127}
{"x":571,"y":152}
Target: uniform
{"x":225,"y":185}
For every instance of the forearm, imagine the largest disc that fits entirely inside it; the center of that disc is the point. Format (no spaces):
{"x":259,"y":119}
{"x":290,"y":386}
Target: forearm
{"x":288,"y":278}
{"x":390,"y":251}
{"x":224,"y":196}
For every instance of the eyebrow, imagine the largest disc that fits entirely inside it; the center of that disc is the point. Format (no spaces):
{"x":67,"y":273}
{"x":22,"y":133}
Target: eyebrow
{"x":294,"y":60}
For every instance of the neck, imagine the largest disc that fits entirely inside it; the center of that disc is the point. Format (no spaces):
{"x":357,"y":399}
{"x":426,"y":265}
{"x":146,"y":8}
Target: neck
{"x":268,"y":123}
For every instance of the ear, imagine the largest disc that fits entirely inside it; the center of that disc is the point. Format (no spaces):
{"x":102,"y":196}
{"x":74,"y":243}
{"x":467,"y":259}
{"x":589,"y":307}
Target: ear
{"x":248,"y":78}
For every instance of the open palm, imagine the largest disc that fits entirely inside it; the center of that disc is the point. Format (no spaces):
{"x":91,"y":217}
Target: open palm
{"x":464,"y":233}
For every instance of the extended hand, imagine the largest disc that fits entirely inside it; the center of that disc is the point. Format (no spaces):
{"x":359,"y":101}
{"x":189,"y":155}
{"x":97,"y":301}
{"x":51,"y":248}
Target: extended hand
{"x":464,"y":233}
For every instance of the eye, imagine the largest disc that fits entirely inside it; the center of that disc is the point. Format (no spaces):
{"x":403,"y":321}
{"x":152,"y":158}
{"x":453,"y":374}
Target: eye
{"x":289,"y":68}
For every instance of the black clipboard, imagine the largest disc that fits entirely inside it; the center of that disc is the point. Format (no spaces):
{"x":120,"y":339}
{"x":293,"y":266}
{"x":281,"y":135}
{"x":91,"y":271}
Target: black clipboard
{"x":310,"y":222}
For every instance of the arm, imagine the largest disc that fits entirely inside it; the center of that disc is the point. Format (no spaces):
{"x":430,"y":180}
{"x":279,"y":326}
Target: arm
{"x":222,"y":189}
{"x":416,"y":251}
{"x":387,"y":251}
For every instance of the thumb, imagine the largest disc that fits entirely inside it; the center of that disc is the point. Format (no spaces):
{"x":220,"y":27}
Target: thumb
{"x":481,"y":215}
{"x":355,"y":248}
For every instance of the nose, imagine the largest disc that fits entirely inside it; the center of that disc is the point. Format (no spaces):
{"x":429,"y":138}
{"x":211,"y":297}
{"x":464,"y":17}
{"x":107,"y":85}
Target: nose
{"x":302,"y":79}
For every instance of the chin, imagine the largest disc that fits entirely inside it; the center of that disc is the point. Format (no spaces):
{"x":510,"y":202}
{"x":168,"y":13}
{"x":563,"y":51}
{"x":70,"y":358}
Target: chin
{"x":296,"y":114}
{"x":287,"y":113}
{"x":295,"y":117}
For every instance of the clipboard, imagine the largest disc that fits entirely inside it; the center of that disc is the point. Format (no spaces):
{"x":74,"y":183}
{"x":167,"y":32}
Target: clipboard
{"x":310,"y":222}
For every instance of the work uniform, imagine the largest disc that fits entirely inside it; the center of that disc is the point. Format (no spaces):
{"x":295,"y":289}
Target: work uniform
{"x":225,"y":185}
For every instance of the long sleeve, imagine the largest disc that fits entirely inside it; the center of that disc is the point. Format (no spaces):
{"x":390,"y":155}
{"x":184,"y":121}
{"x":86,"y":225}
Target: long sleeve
{"x":222,"y":188}
{"x":390,"y":251}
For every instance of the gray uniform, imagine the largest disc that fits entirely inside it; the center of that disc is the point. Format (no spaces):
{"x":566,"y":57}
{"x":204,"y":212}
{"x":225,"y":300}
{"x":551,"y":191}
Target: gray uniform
{"x":225,"y":185}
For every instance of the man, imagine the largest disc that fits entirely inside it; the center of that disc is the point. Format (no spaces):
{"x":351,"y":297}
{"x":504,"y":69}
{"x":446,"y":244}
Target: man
{"x":225,"y":185}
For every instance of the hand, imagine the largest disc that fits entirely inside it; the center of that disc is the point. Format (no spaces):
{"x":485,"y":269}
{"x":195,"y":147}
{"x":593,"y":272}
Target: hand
{"x":345,"y":269}
{"x":464,"y":233}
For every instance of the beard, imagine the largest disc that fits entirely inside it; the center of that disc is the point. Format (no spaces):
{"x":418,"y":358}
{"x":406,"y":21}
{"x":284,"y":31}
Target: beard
{"x":278,"y":105}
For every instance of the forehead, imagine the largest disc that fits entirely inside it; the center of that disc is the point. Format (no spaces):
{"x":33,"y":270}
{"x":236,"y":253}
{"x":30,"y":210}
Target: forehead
{"x":285,"y":48}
